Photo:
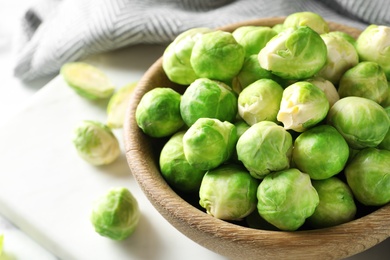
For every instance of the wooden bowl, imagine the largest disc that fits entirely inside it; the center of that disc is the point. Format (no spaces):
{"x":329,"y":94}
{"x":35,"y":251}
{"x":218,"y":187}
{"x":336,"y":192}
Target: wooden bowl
{"x":228,"y":239}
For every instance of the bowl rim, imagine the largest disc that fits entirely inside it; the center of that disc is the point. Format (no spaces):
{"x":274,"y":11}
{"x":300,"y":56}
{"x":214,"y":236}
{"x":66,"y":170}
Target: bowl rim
{"x":206,"y":230}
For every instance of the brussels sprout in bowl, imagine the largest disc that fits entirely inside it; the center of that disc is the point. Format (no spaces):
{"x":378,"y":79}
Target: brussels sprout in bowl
{"x":229,"y":238}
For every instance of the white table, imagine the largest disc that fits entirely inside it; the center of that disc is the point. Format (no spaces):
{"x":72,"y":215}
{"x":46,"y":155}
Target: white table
{"x":15,"y":94}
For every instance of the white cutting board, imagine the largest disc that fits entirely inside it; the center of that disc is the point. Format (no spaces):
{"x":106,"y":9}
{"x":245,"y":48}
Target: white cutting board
{"x":47,"y":190}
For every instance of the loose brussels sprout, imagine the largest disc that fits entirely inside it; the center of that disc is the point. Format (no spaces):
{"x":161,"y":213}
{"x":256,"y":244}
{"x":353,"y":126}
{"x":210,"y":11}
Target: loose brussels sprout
{"x":294,"y":53}
{"x":321,"y":152}
{"x":337,"y":205}
{"x":217,"y":55}
{"x":368,"y":176}
{"x":209,"y":142}
{"x":228,"y":192}
{"x":260,"y":101}
{"x":373,"y":44}
{"x":385,"y":144}
{"x":208,"y":98}
{"x":329,"y":89}
{"x":362,"y":122}
{"x":96,"y":143}
{"x":175,"y":168}
{"x":158,"y":112}
{"x":310,"y":19}
{"x":263,"y":148}
{"x":176,"y":57}
{"x":116,"y":107}
{"x":87,"y":80}
{"x":342,"y":56}
{"x":303,"y":105}
{"x":286,"y":198}
{"x":367,"y":79}
{"x":253,"y":38}
{"x":116,"y":214}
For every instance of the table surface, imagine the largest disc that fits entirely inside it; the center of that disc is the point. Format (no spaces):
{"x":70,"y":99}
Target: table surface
{"x":14,"y":94}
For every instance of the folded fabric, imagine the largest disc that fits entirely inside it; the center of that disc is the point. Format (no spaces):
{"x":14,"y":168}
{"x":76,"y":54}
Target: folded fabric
{"x":58,"y":31}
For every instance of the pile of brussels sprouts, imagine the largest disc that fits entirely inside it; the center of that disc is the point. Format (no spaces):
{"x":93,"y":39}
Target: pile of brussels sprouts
{"x":283,"y":128}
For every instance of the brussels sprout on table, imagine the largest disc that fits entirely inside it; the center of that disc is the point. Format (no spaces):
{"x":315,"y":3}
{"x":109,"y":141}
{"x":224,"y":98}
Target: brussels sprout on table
{"x":95,"y":143}
{"x":116,"y":214}
{"x":175,"y":168}
{"x":286,"y":198}
{"x":87,"y":80}
{"x":310,"y":19}
{"x":253,"y":38}
{"x":158,"y":112}
{"x":228,"y":192}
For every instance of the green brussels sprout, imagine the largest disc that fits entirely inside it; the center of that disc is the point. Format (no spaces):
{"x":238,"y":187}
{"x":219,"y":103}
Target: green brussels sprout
{"x":342,"y":56}
{"x":265,"y":147}
{"x":367,"y":79}
{"x":286,"y":198}
{"x":260,"y":101}
{"x":158,"y":112}
{"x":253,"y":38}
{"x":228,"y":192}
{"x":241,"y":127}
{"x":321,"y":152}
{"x":385,"y":144}
{"x":329,"y":89}
{"x":176,"y":57}
{"x":345,"y":36}
{"x":117,"y":105}
{"x":310,"y":19}
{"x":294,"y":54}
{"x":373,"y":44}
{"x":208,"y":98}
{"x":361,"y":121}
{"x":337,"y":205}
{"x":116,"y":214}
{"x":249,"y":73}
{"x":95,"y":143}
{"x":303,"y":105}
{"x":209,"y":143}
{"x":217,"y":55}
{"x":368,"y":176}
{"x":175,"y":168}
{"x":87,"y":80}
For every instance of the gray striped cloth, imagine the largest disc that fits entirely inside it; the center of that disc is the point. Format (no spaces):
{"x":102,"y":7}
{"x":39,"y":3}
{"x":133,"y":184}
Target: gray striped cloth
{"x":57,"y":31}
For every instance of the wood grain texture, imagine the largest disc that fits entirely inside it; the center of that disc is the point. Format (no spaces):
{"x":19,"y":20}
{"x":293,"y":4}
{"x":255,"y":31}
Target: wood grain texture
{"x":233,"y":241}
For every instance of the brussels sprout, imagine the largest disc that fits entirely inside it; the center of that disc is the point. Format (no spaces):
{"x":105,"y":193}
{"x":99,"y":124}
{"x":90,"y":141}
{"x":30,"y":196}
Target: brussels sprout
{"x":116,"y":107}
{"x":209,"y":142}
{"x":265,"y":147}
{"x":385,"y":144}
{"x":337,"y":205}
{"x":294,"y":53}
{"x":367,"y":80}
{"x":286,"y":198}
{"x":96,"y":143}
{"x":116,"y":214}
{"x":208,"y":98}
{"x":87,"y":80}
{"x":362,"y":122}
{"x":260,"y":101}
{"x":321,"y":152}
{"x":217,"y":55}
{"x":342,"y":56}
{"x":249,"y":73}
{"x":373,"y":44}
{"x":253,"y":38}
{"x":310,"y":19}
{"x":345,"y":36}
{"x":241,"y":127}
{"x":158,"y":112}
{"x":329,"y":89}
{"x":175,"y":168}
{"x":176,"y":58}
{"x":228,"y":192}
{"x":303,"y":105}
{"x":368,"y":176}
